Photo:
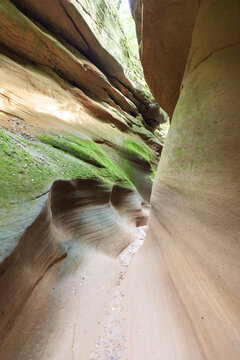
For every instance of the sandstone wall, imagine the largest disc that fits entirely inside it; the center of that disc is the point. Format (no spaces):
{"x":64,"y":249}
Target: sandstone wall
{"x":77,"y":155}
{"x":59,"y":77}
{"x":184,"y":301}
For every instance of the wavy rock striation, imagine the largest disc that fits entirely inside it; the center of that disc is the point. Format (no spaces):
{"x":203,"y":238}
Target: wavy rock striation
{"x":83,"y":227}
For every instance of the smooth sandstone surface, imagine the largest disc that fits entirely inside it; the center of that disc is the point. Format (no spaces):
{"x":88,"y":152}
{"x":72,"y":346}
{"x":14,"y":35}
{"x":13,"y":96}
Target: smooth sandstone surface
{"x":59,"y":279}
{"x":183,"y":303}
{"x":165,"y":31}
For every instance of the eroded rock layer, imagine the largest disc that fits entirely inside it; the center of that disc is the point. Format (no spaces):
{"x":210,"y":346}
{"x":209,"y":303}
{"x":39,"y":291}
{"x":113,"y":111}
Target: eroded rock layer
{"x":62,"y":88}
{"x":78,"y":155}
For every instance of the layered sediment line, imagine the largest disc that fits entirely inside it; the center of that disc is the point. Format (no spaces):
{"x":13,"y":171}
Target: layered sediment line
{"x":78,"y":154}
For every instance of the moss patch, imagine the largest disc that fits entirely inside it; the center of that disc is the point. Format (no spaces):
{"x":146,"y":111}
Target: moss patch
{"x":89,"y":153}
{"x":22,"y":175}
{"x":28,"y":168}
{"x":139,"y":150}
{"x":85,"y":150}
{"x":143,"y":152}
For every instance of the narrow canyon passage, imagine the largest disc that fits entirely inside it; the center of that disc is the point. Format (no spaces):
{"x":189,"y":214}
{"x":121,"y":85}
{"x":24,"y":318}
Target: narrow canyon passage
{"x":119,"y":239}
{"x":111,"y":344}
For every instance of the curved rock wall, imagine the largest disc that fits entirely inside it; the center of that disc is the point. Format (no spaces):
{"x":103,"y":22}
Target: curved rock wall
{"x":184,"y":302}
{"x":165,"y":31}
{"x":64,"y":261}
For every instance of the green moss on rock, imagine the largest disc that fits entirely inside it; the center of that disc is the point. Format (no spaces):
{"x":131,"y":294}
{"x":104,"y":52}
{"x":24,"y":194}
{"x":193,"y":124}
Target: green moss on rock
{"x":22,"y":175}
{"x":29,"y":167}
{"x":88,"y":152}
{"x":138,"y":150}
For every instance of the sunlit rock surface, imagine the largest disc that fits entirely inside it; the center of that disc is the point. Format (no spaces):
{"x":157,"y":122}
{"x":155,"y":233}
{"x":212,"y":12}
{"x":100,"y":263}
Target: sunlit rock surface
{"x":183,"y":286}
{"x":51,"y":84}
{"x":78,"y":155}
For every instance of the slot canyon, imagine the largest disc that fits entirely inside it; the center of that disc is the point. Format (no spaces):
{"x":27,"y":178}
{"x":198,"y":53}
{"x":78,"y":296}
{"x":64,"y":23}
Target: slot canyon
{"x":119,"y":238}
